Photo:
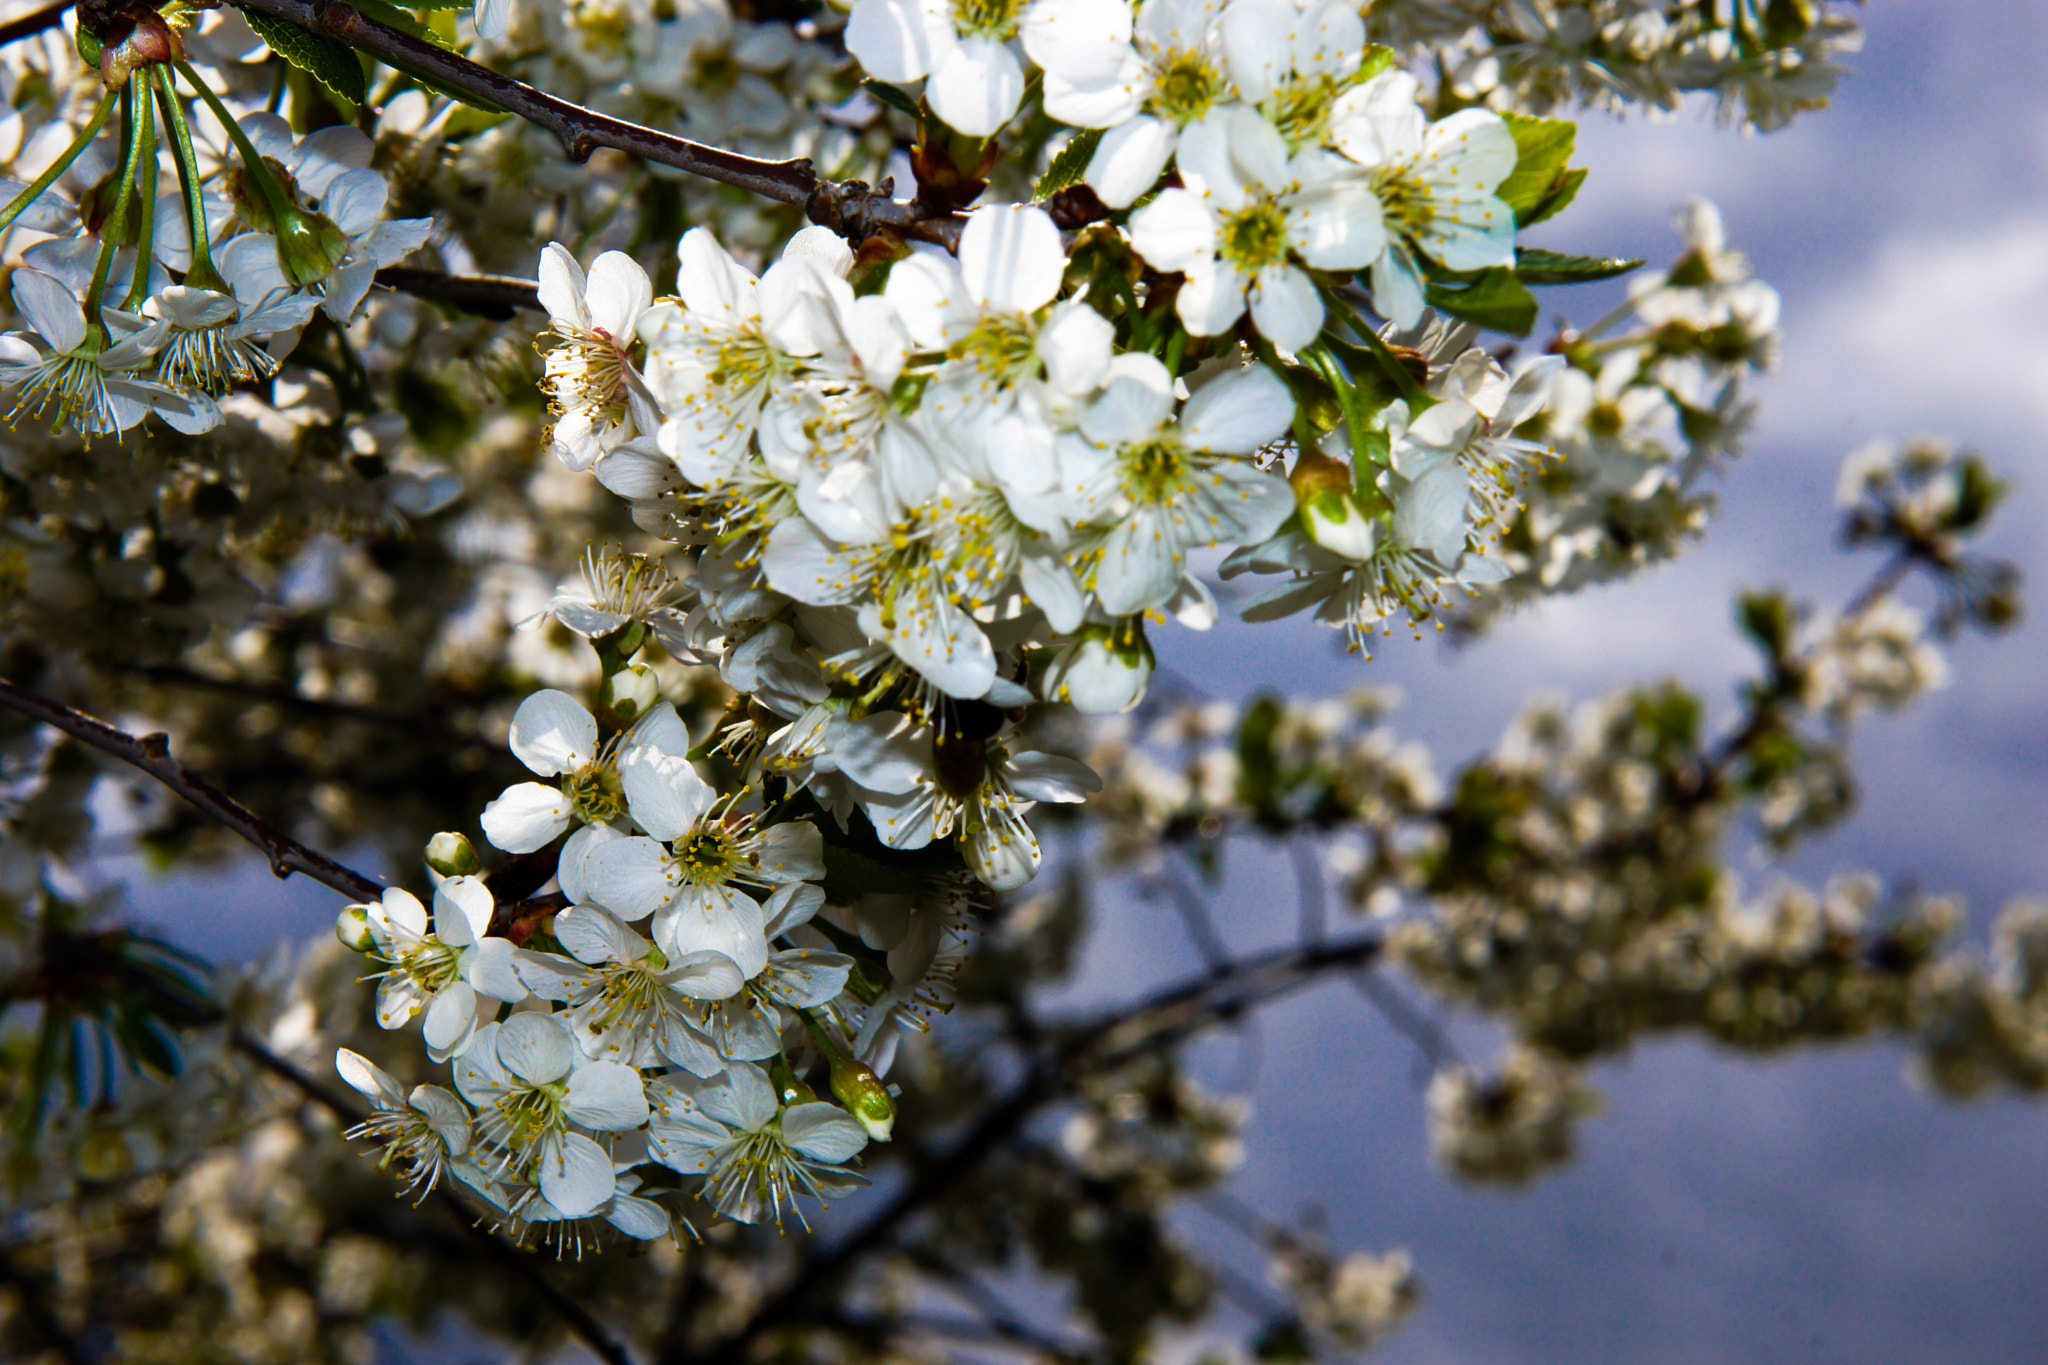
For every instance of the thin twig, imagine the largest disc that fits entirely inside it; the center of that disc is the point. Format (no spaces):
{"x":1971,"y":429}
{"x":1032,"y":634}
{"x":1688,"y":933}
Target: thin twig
{"x":1308,"y":879}
{"x":849,"y":207}
{"x":28,"y":25}
{"x":495,"y":297}
{"x":152,"y":754}
{"x":1432,"y":1041}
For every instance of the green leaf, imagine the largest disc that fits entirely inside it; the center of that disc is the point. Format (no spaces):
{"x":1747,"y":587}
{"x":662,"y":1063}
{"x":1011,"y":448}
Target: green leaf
{"x":1258,"y":770}
{"x":899,"y":100}
{"x":1070,"y":165}
{"x":1541,"y":183}
{"x":327,"y":60}
{"x":1494,"y":299}
{"x":1534,"y":266}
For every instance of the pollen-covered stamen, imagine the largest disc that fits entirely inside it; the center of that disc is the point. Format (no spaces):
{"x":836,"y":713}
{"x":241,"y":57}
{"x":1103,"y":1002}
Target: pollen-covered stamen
{"x":518,"y":1121}
{"x":408,"y":1137}
{"x":74,"y":385}
{"x":745,"y":359}
{"x":1157,"y":471}
{"x":427,"y":961}
{"x":210,"y":361}
{"x":992,"y":19}
{"x":761,"y":1164}
{"x":1406,"y":204}
{"x":596,"y":795}
{"x":1186,"y":87}
{"x":1003,"y":349}
{"x":1254,"y":238}
{"x":1301,"y":108}
{"x":628,"y":585}
{"x":596,"y":371}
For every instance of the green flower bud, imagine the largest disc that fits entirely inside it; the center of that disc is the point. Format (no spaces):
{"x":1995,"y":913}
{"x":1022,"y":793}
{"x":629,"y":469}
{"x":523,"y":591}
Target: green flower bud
{"x":352,"y":927}
{"x":309,"y":247}
{"x":1335,"y":522}
{"x":450,"y":855}
{"x":629,"y":694}
{"x":856,"y":1086}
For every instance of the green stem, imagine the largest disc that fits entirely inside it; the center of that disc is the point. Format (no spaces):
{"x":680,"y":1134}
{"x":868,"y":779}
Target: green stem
{"x":116,"y":225}
{"x":259,"y":174}
{"x":61,"y":164}
{"x":145,"y":188}
{"x":201,"y":274}
{"x":1418,"y":400}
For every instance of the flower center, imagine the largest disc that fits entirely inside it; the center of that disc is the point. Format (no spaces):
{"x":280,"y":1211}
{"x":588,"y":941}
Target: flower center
{"x":1404,"y":200}
{"x":1155,"y":471}
{"x":595,"y":793}
{"x":1300,"y":108}
{"x":994,"y":19}
{"x":709,"y":857}
{"x":1186,"y":87}
{"x":744,"y":360}
{"x":1002,"y":348}
{"x":1255,"y":238}
{"x":430,"y":962}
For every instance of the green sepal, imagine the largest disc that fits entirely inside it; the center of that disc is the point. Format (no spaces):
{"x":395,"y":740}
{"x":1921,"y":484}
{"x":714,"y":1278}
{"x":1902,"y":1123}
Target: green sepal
{"x":893,"y":96}
{"x":1070,"y":165}
{"x":1541,"y":183}
{"x":1494,"y":299}
{"x":1536,"y":266}
{"x":327,"y":60}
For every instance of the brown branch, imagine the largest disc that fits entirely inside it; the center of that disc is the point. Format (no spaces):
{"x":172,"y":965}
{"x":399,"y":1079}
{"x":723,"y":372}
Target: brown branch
{"x":1156,"y":1023}
{"x":28,"y":25}
{"x":152,"y":754}
{"x":850,"y":207}
{"x":495,"y":297}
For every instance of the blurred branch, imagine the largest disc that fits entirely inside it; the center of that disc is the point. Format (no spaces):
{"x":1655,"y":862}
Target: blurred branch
{"x":34,"y":22}
{"x":1431,"y":1040}
{"x":152,"y":754}
{"x":495,"y":297}
{"x":1158,"y":1022}
{"x":848,"y":207}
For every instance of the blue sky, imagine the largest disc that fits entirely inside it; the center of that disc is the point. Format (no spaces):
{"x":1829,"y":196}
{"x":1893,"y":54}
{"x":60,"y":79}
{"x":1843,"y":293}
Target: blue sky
{"x":1815,"y":1208}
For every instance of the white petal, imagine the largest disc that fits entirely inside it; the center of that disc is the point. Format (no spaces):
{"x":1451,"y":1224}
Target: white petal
{"x":718,"y":919}
{"x":450,"y":1021}
{"x":822,"y":1132}
{"x":619,"y":293}
{"x":1051,"y":777}
{"x":552,"y":734}
{"x":632,"y":878}
{"x":575,"y":1175}
{"x":897,"y":40}
{"x":704,"y":976}
{"x":1011,"y":259}
{"x":1238,"y":412}
{"x":976,"y":87}
{"x":535,"y":1048}
{"x":561,"y":287}
{"x":462,"y":911}
{"x":369,"y":1078}
{"x":525,"y":817}
{"x":663,"y":792}
{"x":595,"y":936}
{"x":606,"y":1097}
{"x":50,"y":308}
{"x":1176,"y":231}
{"x":793,"y":851}
{"x":1128,"y":160}
{"x":1286,"y":307}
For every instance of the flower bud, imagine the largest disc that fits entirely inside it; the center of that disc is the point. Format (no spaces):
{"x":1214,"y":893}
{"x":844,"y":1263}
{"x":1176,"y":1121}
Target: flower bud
{"x":148,"y":41}
{"x":629,"y":694}
{"x":1102,"y":672}
{"x":352,"y":927}
{"x":856,"y":1086}
{"x":1335,"y":522}
{"x":450,"y":854}
{"x":309,"y":247}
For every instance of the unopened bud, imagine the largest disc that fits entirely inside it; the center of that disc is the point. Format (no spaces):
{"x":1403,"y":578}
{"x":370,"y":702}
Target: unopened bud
{"x":148,"y":41}
{"x":1335,"y":522}
{"x":352,"y":927}
{"x":856,"y":1086}
{"x":309,"y":246}
{"x":630,"y":693}
{"x":451,"y":855}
